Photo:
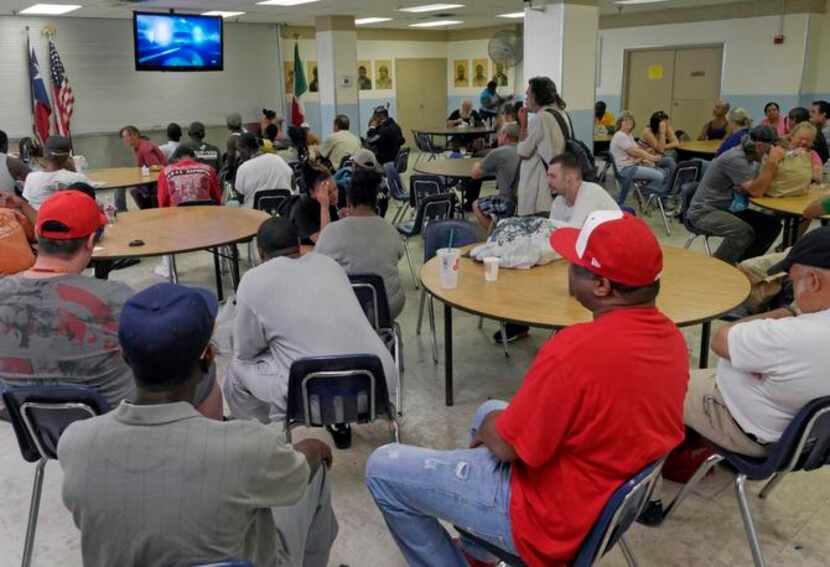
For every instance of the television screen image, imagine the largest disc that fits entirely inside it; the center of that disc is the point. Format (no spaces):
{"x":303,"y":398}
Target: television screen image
{"x":177,"y":42}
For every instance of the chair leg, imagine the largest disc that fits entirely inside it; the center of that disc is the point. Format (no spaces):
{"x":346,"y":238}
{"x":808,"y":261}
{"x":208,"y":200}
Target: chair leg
{"x":409,"y":261}
{"x":432,"y":328}
{"x":749,"y":525}
{"x":706,"y":246}
{"x":689,"y":241}
{"x":629,"y":555}
{"x":480,"y":323}
{"x":503,"y":327}
{"x":666,"y":222}
{"x":173,"y":273}
{"x":34,"y":509}
{"x":396,"y":430}
{"x":421,"y":311}
{"x":770,"y":486}
{"x":696,"y":478}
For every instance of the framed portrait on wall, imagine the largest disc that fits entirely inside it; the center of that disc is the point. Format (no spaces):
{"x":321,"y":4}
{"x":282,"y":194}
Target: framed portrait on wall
{"x":462,"y":72}
{"x":383,"y":75}
{"x":289,"y":76}
{"x":364,"y":75}
{"x":313,"y":77}
{"x":481,"y":72}
{"x":500,"y":74}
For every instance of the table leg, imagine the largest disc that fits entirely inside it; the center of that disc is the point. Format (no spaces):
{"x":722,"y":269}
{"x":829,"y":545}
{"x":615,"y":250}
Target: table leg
{"x":235,"y":266}
{"x":705,"y":335}
{"x":448,"y":397}
{"x":217,"y":267}
{"x":102,"y":269}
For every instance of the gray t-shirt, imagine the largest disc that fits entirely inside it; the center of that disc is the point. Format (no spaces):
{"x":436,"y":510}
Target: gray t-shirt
{"x":367,"y":245}
{"x":503,"y":162}
{"x":163,"y":485}
{"x":64,"y":329}
{"x":303,"y":307}
{"x":590,"y":197}
{"x":723,"y":177}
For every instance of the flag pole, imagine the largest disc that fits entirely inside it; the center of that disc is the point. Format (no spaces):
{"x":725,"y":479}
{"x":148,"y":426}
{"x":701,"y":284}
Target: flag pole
{"x":31,"y":86}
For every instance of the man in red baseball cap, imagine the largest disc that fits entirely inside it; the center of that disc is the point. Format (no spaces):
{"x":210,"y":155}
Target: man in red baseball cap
{"x":601,"y":401}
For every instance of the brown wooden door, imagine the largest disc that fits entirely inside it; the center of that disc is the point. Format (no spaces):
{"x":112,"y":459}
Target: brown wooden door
{"x":649,"y":82}
{"x":421,"y":94}
{"x":697,"y":80}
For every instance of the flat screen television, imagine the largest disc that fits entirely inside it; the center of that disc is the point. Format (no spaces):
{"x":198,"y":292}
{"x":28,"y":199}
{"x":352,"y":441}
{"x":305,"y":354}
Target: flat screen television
{"x":177,"y":42}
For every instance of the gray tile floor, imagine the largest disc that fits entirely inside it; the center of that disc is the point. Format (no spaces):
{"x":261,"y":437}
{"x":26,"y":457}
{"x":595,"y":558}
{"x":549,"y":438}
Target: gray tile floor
{"x":706,"y":531}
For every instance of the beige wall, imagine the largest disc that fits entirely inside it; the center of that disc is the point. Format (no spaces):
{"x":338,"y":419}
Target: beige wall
{"x":816,"y":71}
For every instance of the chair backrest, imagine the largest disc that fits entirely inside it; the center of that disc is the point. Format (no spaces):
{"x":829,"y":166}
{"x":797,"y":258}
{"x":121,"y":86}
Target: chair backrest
{"x":198,"y":203}
{"x":421,"y":186}
{"x":402,"y":160}
{"x":437,"y":236}
{"x":622,"y":509}
{"x":40,"y":414}
{"x":805,"y":444}
{"x":326,"y":390}
{"x":434,"y":208}
{"x":686,"y":172}
{"x":270,"y":200}
{"x":422,"y":142}
{"x":393,"y":181}
{"x":371,"y":294}
{"x":686,"y":196}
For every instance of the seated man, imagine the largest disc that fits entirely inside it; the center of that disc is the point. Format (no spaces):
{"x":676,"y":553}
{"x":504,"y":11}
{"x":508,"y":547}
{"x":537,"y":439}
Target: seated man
{"x":573,"y":201}
{"x":503,"y":163}
{"x":174,"y":137}
{"x":384,"y":136}
{"x":465,"y":117}
{"x":59,"y":172}
{"x":155,"y":483}
{"x":207,"y":154}
{"x":186,"y":179}
{"x":147,"y":154}
{"x":746,"y":233}
{"x":288,"y":308}
{"x":259,"y":171}
{"x":587,"y":417}
{"x":771,"y":364}
{"x":341,"y":143}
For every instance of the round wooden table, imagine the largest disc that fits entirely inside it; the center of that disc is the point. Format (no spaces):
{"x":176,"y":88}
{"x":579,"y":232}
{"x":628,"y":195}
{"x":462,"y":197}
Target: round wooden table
{"x":791,"y":209}
{"x":444,"y":131}
{"x":453,"y":168}
{"x":695,"y":289}
{"x":118,"y":177}
{"x":176,"y":230}
{"x":699,"y":148}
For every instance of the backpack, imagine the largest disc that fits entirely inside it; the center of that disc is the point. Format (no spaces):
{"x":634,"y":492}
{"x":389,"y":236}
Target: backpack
{"x":577,"y":148}
{"x":15,"y":234}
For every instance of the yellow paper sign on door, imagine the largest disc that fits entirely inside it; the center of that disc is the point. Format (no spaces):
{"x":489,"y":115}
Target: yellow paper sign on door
{"x":655,"y":72}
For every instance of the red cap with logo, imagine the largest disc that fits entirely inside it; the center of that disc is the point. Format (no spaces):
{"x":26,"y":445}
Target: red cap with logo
{"x":67,"y":215}
{"x":613,"y":245}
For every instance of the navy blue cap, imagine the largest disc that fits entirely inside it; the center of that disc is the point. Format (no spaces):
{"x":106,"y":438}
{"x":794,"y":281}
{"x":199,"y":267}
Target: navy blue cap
{"x":164,"y":329}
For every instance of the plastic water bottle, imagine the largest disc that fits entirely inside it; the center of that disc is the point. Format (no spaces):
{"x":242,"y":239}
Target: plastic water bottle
{"x":111,"y":212}
{"x":145,"y":171}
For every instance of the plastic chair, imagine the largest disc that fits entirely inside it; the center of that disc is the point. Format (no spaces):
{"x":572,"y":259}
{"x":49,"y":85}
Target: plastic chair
{"x":402,"y":160}
{"x":625,"y":182}
{"x":436,"y":236}
{"x":39,"y":416}
{"x":425,"y":145}
{"x":396,"y":191}
{"x":270,"y":200}
{"x":687,"y":193}
{"x":422,"y":185}
{"x":331,"y":390}
{"x":804,"y":446}
{"x":431,"y":208}
{"x":684,"y":173}
{"x":621,"y":510}
{"x":371,"y":294}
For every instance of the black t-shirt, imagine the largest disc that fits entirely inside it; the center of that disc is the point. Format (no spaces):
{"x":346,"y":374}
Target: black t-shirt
{"x":820,"y":146}
{"x":207,"y":154}
{"x":306,"y":216}
{"x":473,"y":119}
{"x":386,"y":140}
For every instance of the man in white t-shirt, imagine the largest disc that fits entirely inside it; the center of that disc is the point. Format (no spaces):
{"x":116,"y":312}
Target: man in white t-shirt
{"x":341,"y":143}
{"x":260,"y":171}
{"x":60,"y":172}
{"x":771,"y":364}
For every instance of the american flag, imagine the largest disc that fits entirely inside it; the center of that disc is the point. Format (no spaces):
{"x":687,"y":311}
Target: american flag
{"x":61,"y":92}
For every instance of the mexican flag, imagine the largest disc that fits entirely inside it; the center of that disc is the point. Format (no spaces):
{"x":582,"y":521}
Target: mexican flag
{"x":300,"y":87}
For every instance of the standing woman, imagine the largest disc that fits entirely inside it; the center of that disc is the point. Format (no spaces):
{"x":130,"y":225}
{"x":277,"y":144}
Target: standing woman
{"x":774,"y":119}
{"x":541,"y":140}
{"x":718,"y":127}
{"x":659,"y":135}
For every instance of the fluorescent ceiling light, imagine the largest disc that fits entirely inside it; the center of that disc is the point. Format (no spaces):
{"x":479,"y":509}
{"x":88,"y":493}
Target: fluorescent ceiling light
{"x":513,"y":15}
{"x":285,"y":2}
{"x":365,"y":21}
{"x":437,"y":24}
{"x":431,"y":8}
{"x":51,"y":9}
{"x":223,"y":14}
{"x":634,"y":2}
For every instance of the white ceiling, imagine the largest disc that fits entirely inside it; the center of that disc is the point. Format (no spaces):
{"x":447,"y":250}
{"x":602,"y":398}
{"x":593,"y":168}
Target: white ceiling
{"x":477,"y":13}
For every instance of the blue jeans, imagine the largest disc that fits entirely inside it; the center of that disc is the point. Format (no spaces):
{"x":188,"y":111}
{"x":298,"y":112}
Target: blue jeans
{"x":469,"y":488}
{"x":657,"y":178}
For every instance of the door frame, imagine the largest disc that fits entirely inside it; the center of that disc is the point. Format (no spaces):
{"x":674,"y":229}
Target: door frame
{"x":628,"y":51}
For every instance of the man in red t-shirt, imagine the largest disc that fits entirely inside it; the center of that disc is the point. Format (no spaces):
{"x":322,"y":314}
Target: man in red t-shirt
{"x":147,"y":154}
{"x":601,"y":401}
{"x":187,"y":180}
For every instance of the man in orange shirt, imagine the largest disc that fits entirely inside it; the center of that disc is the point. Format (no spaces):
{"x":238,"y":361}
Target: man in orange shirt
{"x":601,"y":401}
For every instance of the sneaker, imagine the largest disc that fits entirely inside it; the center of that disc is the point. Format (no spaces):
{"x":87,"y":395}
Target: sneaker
{"x":341,"y":434}
{"x":162,"y":270}
{"x":514,"y":333}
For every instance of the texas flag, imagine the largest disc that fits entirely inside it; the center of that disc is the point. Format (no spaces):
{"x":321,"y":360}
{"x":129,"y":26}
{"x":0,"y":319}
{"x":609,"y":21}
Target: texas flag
{"x":41,"y":109}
